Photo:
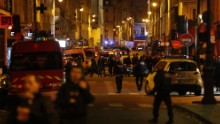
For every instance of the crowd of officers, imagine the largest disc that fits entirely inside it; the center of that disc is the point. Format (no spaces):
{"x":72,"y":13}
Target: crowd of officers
{"x":69,"y":107}
{"x":139,"y":66}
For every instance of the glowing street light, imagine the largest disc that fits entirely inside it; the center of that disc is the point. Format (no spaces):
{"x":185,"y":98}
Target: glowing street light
{"x":81,"y":9}
{"x":145,"y":20}
{"x":93,"y":16}
{"x":93,"y":20}
{"x":60,"y":0}
{"x":149,"y":13}
{"x":154,"y":4}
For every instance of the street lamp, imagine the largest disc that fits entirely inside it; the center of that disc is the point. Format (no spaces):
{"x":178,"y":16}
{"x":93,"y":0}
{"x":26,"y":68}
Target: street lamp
{"x":145,"y":20}
{"x":81,"y":9}
{"x":60,"y":0}
{"x":149,"y":13}
{"x":154,"y":4}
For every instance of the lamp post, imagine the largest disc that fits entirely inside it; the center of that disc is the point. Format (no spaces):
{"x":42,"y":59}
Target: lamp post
{"x":209,"y":69}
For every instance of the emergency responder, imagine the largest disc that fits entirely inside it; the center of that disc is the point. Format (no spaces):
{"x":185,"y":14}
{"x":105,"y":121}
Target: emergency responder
{"x":30,"y":107}
{"x":118,"y":72}
{"x":93,"y":66}
{"x":162,"y":81}
{"x":73,"y":98}
{"x":139,"y":72}
{"x":101,"y":66}
{"x":111,"y":63}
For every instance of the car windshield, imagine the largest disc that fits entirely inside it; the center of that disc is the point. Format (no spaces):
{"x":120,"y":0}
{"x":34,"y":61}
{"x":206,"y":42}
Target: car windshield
{"x":36,"y":61}
{"x":89,"y":54}
{"x":183,"y":66}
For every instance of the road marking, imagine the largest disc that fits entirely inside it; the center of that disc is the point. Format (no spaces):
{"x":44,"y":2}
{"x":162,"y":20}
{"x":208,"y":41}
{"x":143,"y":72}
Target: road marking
{"x":91,"y":105}
{"x":135,"y":109}
{"x":109,"y":86}
{"x":145,"y":105}
{"x":105,"y":108}
{"x":116,"y":105}
{"x":111,"y":94}
{"x":91,"y":82}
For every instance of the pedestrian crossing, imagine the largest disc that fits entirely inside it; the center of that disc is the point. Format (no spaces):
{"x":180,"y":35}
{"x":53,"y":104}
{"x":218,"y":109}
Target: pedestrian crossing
{"x":121,"y":106}
{"x":108,"y":87}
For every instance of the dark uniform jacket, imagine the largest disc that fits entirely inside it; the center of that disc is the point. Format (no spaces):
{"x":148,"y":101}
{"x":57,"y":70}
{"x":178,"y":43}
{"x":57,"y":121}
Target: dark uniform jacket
{"x":119,"y":69}
{"x":140,"y":68}
{"x":72,"y":101}
{"x":162,"y":83}
{"x":42,"y":110}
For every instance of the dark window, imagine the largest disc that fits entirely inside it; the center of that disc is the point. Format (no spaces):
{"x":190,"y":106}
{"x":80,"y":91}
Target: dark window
{"x":183,"y":66}
{"x":162,"y":63}
{"x":36,"y":61}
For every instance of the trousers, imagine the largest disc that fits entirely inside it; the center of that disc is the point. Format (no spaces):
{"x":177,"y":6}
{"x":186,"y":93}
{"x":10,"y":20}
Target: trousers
{"x":119,"y":79}
{"x":157,"y":101}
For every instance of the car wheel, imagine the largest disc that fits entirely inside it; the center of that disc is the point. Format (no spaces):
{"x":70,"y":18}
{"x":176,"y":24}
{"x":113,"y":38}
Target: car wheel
{"x":182,"y":93}
{"x":198,"y":92}
{"x":147,"y":89}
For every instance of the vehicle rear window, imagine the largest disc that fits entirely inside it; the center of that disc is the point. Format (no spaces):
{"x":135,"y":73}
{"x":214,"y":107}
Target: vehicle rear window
{"x":36,"y":61}
{"x":162,"y":63}
{"x":75,"y":57}
{"x":182,"y":66}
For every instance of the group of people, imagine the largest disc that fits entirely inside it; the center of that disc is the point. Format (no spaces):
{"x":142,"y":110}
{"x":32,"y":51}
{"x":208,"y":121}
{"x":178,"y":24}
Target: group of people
{"x":70,"y":106}
{"x":99,"y":65}
{"x":138,"y":66}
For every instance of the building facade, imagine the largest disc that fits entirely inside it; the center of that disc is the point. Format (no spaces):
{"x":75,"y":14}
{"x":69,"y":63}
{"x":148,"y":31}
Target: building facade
{"x":120,"y":17}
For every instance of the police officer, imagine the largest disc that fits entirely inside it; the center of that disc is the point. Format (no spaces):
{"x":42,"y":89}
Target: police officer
{"x":139,"y":72}
{"x":73,"y":97}
{"x":30,"y":107}
{"x":111,"y":63}
{"x":93,"y":66}
{"x":118,"y":72}
{"x":163,"y":88}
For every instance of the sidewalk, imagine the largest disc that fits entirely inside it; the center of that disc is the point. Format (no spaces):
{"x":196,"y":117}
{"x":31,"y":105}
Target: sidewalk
{"x":208,"y":114}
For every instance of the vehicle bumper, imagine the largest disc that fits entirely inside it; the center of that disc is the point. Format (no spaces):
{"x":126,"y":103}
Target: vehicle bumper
{"x":186,"y":87}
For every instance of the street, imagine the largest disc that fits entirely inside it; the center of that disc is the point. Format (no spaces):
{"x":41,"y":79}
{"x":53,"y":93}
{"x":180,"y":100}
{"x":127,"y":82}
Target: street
{"x":131,"y":106}
{"x":128,"y":107}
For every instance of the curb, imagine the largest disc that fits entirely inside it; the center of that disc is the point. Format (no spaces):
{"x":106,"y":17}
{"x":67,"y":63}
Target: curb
{"x":197,"y":116}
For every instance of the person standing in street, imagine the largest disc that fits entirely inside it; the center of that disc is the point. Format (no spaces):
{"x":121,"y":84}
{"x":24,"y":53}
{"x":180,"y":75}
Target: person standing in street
{"x":135,"y":59}
{"x":118,"y":72}
{"x":30,"y":107}
{"x":139,"y":72}
{"x":101,"y":66}
{"x":163,"y":88}
{"x":111,"y":65}
{"x":73,"y":98}
{"x":93,"y":66}
{"x":127,"y":63}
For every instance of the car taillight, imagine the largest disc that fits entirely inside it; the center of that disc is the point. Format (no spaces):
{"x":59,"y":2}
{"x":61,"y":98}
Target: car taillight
{"x":16,"y":86}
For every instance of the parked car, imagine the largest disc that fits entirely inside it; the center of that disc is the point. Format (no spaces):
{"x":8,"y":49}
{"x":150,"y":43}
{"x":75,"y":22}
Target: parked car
{"x":187,"y":76}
